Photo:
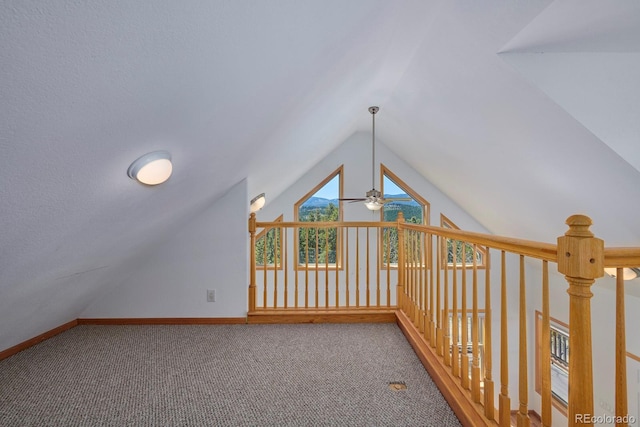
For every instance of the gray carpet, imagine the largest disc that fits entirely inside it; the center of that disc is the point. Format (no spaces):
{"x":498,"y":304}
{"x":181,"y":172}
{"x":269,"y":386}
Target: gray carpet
{"x":227,"y":375}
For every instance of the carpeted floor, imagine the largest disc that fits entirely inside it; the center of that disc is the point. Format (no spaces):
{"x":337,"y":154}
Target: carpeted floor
{"x":226,"y":375}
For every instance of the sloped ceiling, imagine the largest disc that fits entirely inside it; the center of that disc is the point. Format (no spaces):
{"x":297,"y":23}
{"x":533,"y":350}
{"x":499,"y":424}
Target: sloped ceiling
{"x":479,"y":97}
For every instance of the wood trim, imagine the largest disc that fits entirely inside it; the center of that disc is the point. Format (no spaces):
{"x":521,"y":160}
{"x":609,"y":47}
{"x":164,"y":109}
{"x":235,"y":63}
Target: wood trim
{"x":165,"y":321}
{"x":349,"y":315}
{"x":36,"y":340}
{"x":426,"y":206}
{"x":469,"y":413}
{"x":482,"y":249}
{"x":297,"y":265}
{"x":262,"y":234}
{"x":530,"y":248}
{"x":633,"y":356}
{"x":426,"y":211}
{"x":621,"y":257}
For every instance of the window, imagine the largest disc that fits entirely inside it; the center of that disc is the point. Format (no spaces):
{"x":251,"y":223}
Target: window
{"x":559,"y":348}
{"x":468,"y":248}
{"x":269,"y":247}
{"x":415,"y":210}
{"x":319,"y":246}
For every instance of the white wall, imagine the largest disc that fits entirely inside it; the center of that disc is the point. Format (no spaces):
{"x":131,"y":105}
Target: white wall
{"x":210,"y":252}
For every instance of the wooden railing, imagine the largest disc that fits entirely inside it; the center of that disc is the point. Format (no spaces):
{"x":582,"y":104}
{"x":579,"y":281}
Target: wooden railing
{"x":445,"y":283}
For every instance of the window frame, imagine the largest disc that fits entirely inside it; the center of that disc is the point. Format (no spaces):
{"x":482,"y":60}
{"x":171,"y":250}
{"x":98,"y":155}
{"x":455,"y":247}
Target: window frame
{"x":263,"y":233}
{"x":339,"y":239}
{"x":426,"y":209}
{"x":447,"y":223}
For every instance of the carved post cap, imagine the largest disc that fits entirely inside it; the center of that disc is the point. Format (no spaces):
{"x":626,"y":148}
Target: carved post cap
{"x":252,"y":223}
{"x":580,"y":254}
{"x":579,"y":226}
{"x":400,"y":216}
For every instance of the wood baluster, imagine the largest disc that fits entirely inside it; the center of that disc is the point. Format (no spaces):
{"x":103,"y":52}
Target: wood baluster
{"x":475,"y":361}
{"x":264,"y":271}
{"x":581,"y":260}
{"x":296,"y":263}
{"x":368,"y":294}
{"x":357,"y":266}
{"x":377,"y":234}
{"x":425,"y":272}
{"x":275,"y":265}
{"x":489,"y":405}
{"x":326,"y":267}
{"x":252,"y":262}
{"x":317,"y":293}
{"x":417,"y":281}
{"x":401,"y":259}
{"x":504,"y":401}
{"x":421,"y":283}
{"x":464,"y":339}
{"x":412,"y":276}
{"x":446,"y":341}
{"x":435,"y":264}
{"x":389,"y":268}
{"x":621,"y":352}
{"x":409,"y":275}
{"x":285,"y":263}
{"x":337,"y":269}
{"x":306,"y":270}
{"x":545,"y":349}
{"x":523,"y":410}
{"x":346,"y":267}
{"x":454,"y":315}
{"x":440,"y":250}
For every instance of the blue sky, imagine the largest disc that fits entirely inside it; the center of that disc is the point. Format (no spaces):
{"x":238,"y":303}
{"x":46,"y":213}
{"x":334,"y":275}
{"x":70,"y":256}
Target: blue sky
{"x":330,"y":190}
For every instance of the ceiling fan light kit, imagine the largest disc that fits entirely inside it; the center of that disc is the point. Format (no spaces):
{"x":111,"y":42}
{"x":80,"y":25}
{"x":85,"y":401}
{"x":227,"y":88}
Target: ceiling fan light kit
{"x":373,"y":200}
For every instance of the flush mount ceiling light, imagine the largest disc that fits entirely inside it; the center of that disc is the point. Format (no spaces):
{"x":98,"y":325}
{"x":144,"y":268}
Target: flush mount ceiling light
{"x":257,"y":203}
{"x":627,"y":273}
{"x":151,"y":169}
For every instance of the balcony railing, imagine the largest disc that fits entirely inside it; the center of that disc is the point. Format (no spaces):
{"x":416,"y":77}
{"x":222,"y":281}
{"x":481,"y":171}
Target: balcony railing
{"x":443,"y":286}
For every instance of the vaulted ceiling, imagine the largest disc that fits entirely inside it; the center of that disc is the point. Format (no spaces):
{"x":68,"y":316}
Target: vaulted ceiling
{"x":522,"y":112}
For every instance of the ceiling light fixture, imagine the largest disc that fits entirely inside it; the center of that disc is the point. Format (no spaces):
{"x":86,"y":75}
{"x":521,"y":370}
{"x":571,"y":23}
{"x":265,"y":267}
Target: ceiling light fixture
{"x":373,"y":199}
{"x":627,"y":273}
{"x":257,"y":203}
{"x":151,"y":169}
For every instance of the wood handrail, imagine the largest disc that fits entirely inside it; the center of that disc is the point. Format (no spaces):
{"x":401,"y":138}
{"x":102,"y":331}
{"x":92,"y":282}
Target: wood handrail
{"x":425,"y":298}
{"x":613,"y":256}
{"x":539,"y":250}
{"x":621,"y":257}
{"x":328,"y":224}
{"x":530,"y":248}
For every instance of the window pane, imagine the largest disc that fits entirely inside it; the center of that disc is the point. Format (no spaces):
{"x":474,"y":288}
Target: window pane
{"x":412,"y":211}
{"x":319,"y":245}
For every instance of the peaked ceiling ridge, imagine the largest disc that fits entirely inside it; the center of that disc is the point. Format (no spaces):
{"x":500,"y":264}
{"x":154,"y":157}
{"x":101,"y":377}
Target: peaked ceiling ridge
{"x":580,"y":26}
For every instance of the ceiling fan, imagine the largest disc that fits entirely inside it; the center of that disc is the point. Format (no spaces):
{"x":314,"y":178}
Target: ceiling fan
{"x":373,"y":199}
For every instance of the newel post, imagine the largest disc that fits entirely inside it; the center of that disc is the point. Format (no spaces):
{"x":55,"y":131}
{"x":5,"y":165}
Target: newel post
{"x":581,"y":260}
{"x":252,"y":262}
{"x":400,"y":290}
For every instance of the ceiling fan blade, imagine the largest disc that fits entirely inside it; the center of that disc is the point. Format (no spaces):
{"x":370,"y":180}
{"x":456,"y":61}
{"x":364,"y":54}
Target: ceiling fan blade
{"x":359,"y":199}
{"x":398,"y":199}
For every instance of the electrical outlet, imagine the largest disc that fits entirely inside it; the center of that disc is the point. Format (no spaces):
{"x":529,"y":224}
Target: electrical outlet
{"x":211,"y":295}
